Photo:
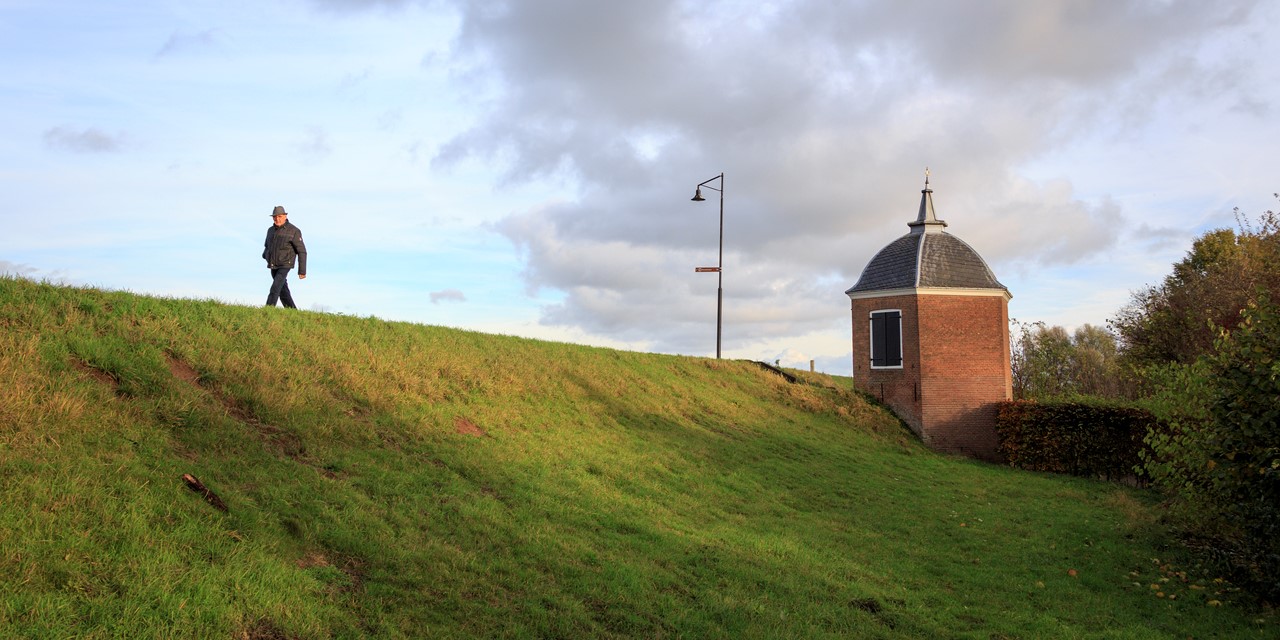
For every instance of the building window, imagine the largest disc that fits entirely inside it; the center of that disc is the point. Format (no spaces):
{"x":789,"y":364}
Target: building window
{"x":886,"y":339}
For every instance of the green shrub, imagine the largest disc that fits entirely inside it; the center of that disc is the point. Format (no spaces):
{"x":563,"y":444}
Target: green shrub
{"x":1220,"y":459}
{"x":1076,"y":438}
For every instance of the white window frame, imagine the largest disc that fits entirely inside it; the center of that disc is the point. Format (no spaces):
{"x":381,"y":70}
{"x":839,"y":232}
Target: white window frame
{"x":871,"y":339}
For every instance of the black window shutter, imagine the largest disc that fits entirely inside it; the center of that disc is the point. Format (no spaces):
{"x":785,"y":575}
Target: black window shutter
{"x":886,"y":339}
{"x":893,"y":339}
{"x":877,"y":339}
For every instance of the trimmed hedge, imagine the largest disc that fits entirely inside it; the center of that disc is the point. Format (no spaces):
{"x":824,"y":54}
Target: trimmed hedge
{"x":1075,"y":438}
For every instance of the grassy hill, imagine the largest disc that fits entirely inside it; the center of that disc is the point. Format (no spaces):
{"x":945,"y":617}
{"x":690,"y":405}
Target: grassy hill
{"x":378,"y":479}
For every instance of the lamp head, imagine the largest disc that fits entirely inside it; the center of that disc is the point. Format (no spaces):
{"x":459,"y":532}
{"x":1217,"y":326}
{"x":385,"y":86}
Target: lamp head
{"x":697,"y":195}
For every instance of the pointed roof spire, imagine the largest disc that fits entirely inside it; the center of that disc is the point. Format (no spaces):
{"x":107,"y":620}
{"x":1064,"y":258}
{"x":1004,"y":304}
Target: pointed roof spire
{"x":927,"y":221}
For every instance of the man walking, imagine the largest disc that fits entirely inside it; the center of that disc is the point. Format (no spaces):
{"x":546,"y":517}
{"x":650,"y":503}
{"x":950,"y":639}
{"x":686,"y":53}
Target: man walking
{"x":284,"y":243}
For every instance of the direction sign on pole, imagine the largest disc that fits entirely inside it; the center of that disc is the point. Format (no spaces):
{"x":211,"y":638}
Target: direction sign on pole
{"x":706,"y":269}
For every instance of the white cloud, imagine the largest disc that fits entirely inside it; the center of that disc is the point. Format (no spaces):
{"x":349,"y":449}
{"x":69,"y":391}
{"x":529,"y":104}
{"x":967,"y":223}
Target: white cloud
{"x":447,"y":295}
{"x":314,"y":144}
{"x":16,"y":269}
{"x":29,"y":272}
{"x":89,"y":140}
{"x":183,"y":41}
{"x":822,"y":117}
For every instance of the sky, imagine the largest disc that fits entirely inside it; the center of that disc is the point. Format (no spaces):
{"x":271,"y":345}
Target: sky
{"x":525,"y":167}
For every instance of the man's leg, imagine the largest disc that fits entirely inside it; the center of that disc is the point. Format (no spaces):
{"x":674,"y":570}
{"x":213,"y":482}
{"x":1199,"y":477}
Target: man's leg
{"x":286,"y":298}
{"x":279,"y":287}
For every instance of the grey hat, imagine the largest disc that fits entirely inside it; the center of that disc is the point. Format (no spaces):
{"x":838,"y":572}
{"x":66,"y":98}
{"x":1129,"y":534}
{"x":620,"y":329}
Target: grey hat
{"x":278,"y":211}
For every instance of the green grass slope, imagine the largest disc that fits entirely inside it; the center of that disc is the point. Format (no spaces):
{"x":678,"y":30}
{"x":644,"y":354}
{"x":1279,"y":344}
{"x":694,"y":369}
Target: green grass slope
{"x":379,"y":479}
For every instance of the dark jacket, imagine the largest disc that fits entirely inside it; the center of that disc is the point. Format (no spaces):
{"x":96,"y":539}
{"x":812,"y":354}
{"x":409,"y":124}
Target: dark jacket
{"x":283,"y":243}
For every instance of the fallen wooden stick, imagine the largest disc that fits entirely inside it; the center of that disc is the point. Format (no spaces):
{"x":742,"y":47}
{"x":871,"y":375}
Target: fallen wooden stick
{"x":212,"y":498}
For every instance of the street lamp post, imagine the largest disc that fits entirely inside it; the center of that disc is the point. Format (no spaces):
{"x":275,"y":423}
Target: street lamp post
{"x":697,"y":197}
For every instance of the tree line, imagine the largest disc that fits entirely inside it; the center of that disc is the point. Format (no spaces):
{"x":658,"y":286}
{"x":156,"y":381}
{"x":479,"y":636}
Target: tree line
{"x":1175,"y":322}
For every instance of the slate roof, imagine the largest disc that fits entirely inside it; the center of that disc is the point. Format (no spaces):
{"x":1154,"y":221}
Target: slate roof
{"x":926,"y":257}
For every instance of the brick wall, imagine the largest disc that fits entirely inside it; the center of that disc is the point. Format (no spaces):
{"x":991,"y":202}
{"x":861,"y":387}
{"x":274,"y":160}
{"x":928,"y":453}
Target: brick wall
{"x":955,"y":367}
{"x":898,"y":388}
{"x":964,"y":347}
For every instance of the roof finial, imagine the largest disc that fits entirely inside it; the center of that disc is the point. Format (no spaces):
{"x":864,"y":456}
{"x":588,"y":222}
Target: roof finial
{"x":927,"y":221}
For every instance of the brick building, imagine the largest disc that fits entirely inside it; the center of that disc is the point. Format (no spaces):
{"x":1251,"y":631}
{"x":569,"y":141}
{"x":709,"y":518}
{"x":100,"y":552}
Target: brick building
{"x":931,"y":336}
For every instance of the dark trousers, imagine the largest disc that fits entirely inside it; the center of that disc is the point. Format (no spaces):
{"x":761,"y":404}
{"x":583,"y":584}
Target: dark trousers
{"x":280,"y":288}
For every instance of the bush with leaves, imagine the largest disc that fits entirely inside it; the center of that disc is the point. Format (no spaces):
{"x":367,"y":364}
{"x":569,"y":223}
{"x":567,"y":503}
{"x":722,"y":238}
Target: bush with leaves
{"x":1220,"y":457}
{"x":1075,"y":437}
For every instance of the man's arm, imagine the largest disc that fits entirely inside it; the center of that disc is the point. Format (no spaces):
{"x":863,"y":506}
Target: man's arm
{"x":300,"y":248}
